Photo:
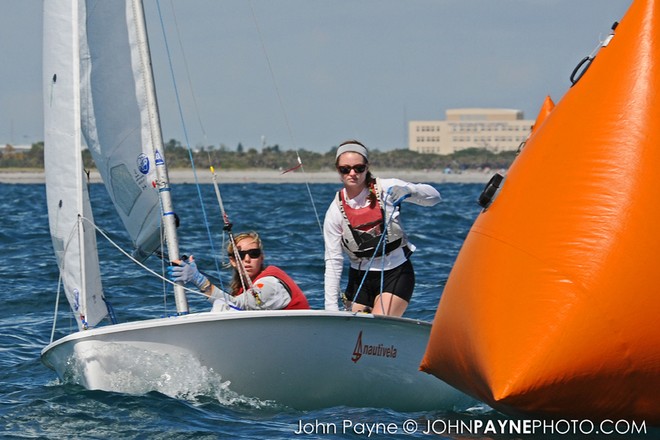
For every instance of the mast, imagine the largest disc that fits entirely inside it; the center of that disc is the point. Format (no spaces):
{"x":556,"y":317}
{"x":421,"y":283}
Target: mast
{"x":162,"y":178}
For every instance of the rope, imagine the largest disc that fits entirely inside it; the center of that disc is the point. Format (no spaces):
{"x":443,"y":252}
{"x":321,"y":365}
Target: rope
{"x":162,"y":260}
{"x":60,"y":283}
{"x":371,"y":260}
{"x":227,"y":227}
{"x":309,"y":192}
{"x":130,"y":257}
{"x":57,"y":306}
{"x":382,"y":267}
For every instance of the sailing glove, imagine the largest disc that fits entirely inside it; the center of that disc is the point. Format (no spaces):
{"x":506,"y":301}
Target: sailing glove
{"x":187,"y":272}
{"x":398,"y":194}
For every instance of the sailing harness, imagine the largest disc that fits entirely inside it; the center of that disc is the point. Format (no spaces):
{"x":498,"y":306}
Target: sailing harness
{"x":364,"y":230}
{"x":366,"y":234}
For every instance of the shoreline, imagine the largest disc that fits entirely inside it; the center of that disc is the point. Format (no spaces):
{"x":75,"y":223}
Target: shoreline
{"x":178,"y":176}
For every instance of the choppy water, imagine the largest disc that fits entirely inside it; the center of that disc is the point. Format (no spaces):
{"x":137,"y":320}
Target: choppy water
{"x":35,"y":404}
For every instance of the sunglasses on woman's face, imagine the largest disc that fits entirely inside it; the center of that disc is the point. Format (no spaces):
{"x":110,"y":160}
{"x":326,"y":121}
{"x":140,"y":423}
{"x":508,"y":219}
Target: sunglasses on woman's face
{"x":253,"y":253}
{"x":346,"y":169}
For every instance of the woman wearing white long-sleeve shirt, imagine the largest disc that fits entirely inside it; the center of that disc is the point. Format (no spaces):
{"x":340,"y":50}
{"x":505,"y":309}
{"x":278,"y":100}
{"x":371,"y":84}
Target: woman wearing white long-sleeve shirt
{"x":354,"y":224}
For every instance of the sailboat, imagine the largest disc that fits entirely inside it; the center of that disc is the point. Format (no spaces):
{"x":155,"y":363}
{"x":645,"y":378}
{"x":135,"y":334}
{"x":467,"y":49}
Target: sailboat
{"x":99,"y":93}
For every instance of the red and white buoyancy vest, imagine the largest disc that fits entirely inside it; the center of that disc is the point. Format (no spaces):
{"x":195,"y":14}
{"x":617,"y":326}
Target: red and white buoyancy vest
{"x":363,"y":227}
{"x":298,"y":299}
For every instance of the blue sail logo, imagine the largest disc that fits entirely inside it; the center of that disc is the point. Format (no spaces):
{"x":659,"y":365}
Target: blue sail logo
{"x":159,"y":159}
{"x":143,"y":163}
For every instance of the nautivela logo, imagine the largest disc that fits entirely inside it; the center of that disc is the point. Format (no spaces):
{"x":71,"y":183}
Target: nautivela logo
{"x":379,"y":350}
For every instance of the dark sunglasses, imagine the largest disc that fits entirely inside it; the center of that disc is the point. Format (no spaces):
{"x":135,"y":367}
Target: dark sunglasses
{"x":345,"y":169}
{"x":253,"y":253}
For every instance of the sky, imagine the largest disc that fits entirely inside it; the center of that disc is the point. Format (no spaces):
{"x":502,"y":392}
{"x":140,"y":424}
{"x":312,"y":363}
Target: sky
{"x":309,"y":74}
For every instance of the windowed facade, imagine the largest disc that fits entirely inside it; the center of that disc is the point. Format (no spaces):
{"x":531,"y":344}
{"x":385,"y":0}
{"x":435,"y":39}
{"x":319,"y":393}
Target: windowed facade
{"x":493,"y":129}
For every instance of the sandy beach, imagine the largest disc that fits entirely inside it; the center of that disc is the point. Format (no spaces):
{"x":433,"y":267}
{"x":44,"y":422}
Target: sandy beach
{"x":270,"y":176}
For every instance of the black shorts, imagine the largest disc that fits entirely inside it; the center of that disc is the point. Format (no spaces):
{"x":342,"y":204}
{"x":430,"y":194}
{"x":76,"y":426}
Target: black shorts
{"x":399,"y":281}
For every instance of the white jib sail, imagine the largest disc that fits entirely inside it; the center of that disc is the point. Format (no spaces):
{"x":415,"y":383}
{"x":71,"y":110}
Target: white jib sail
{"x":73,"y":238}
{"x":116,"y":120}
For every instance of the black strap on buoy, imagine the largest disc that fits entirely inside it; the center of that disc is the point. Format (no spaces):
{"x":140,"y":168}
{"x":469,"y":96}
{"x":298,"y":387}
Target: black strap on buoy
{"x":575,"y":77}
{"x":487,"y":195}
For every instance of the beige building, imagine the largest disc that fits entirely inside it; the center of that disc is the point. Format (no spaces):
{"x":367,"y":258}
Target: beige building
{"x":490,"y":128}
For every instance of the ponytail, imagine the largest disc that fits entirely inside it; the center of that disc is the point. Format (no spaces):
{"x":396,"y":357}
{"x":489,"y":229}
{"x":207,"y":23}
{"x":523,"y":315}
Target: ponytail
{"x":370,"y":181}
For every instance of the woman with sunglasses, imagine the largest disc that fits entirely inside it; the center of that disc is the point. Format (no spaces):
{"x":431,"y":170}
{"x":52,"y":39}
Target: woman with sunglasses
{"x":363,"y":221}
{"x":253,"y":286}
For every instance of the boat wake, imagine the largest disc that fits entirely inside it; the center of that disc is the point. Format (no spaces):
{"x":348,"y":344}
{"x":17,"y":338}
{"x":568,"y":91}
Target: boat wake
{"x":130,"y":370}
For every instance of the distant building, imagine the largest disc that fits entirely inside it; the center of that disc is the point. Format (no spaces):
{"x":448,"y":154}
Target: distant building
{"x":14,"y":149}
{"x":490,"y":128}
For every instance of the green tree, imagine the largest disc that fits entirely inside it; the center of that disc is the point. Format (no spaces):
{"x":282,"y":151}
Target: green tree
{"x":274,"y":157}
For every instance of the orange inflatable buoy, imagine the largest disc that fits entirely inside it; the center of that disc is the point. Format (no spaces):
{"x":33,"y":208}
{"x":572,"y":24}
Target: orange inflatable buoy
{"x":553,"y":304}
{"x":546,"y":108}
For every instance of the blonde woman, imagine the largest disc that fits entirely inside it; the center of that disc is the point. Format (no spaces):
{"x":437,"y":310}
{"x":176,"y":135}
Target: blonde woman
{"x":254,"y":286}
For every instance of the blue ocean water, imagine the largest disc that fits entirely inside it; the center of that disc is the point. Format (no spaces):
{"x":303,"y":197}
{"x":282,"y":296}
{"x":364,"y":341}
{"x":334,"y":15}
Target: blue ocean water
{"x":35,"y":404}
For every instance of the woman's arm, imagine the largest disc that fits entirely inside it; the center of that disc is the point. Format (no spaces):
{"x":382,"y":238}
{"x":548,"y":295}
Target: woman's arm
{"x":267,"y":293}
{"x":334,"y":257}
{"x":419,"y":193}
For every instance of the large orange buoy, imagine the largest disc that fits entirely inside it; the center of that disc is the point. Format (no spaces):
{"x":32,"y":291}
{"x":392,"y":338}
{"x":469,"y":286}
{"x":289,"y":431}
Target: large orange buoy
{"x":553,"y":305}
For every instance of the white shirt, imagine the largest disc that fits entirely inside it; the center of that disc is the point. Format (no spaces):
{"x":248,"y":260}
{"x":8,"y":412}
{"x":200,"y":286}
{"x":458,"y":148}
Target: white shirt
{"x":269,"y":289}
{"x":421,"y":194}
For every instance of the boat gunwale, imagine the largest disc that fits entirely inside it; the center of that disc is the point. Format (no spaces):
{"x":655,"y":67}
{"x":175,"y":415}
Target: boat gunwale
{"x":200,"y":317}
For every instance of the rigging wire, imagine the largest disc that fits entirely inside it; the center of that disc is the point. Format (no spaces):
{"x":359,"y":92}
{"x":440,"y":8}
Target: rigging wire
{"x":134,"y":260}
{"x":180,"y":110}
{"x":284,"y":114}
{"x":185,"y":132}
{"x":188,"y":76}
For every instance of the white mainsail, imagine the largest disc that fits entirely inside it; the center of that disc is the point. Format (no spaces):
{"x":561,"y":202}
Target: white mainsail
{"x":73,"y":238}
{"x":120,"y":129}
{"x":99,"y":86}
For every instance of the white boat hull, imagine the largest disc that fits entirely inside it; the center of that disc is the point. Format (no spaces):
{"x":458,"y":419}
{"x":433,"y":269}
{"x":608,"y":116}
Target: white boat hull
{"x":302,"y":359}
